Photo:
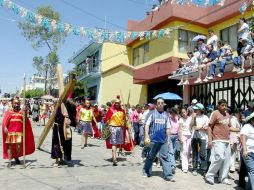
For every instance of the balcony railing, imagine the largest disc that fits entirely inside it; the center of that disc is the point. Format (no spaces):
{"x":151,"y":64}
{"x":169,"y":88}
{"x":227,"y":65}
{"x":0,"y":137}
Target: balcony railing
{"x":89,"y":69}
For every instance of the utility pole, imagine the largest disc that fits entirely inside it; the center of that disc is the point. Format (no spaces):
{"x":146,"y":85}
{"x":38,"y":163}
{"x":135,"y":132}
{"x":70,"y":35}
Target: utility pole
{"x":46,"y":78}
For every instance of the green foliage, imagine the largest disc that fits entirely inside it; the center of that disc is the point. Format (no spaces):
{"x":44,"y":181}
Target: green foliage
{"x":41,"y":37}
{"x":33,"y":93}
{"x":79,"y":89}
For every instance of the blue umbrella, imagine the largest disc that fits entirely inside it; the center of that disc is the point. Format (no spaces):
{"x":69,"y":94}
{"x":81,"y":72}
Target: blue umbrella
{"x":168,"y":96}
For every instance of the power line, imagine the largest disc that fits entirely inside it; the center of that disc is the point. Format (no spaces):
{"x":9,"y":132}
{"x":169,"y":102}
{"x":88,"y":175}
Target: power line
{"x":91,"y":14}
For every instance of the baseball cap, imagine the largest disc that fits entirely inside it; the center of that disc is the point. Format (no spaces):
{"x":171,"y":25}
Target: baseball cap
{"x":194,"y":101}
{"x":199,"y":106}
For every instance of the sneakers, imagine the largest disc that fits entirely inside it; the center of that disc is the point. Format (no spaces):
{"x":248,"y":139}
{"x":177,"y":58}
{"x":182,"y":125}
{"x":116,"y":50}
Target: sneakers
{"x":185,"y":171}
{"x":235,"y":69}
{"x":219,"y":75}
{"x":226,"y":182}
{"x":158,"y":165}
{"x":241,"y":71}
{"x":198,"y":81}
{"x":209,"y":181}
{"x":180,"y":83}
{"x":186,"y":82}
{"x":171,"y":179}
{"x":195,"y":173}
{"x":206,"y":79}
{"x":249,"y":71}
{"x":210,"y":78}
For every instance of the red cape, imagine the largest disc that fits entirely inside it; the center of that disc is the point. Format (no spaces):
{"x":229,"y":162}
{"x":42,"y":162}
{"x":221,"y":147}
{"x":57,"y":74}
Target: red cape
{"x":29,"y":138}
{"x":128,"y":141}
{"x":96,"y":131}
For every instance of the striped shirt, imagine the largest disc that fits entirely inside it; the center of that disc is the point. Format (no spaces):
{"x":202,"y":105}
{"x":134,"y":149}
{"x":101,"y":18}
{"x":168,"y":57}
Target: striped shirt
{"x":159,"y":123}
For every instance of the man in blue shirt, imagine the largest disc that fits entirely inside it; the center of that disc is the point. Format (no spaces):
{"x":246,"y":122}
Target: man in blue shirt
{"x":211,"y":59}
{"x":157,"y":137}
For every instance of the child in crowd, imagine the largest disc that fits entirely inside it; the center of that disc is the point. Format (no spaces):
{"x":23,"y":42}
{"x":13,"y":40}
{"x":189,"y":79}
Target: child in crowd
{"x":188,"y":66}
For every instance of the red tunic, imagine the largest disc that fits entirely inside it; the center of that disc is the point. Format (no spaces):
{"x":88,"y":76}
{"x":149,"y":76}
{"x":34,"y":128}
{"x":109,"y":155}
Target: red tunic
{"x":14,"y":122}
{"x":128,"y":142}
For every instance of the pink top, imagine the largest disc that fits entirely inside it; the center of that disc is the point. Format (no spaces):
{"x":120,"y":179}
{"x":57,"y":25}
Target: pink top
{"x":135,"y":117}
{"x":174,"y":125}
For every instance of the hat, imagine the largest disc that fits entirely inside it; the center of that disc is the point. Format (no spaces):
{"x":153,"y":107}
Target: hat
{"x":244,"y":39}
{"x":194,"y":101}
{"x":199,"y":106}
{"x":249,"y":117}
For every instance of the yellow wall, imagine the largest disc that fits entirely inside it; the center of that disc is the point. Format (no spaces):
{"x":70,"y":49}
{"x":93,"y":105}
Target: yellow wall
{"x":120,"y":81}
{"x":218,"y":27}
{"x":113,"y":55}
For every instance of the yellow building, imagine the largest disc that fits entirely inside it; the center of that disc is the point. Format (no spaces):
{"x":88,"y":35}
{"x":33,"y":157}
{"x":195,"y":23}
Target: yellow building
{"x":154,"y":60}
{"x":107,"y":73}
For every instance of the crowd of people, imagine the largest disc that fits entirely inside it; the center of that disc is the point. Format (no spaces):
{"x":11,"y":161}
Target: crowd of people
{"x":191,"y":137}
{"x":216,"y":53}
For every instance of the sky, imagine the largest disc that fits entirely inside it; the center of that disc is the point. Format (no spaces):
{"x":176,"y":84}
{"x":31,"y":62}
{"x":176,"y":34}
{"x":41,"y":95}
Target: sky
{"x":16,"y":54}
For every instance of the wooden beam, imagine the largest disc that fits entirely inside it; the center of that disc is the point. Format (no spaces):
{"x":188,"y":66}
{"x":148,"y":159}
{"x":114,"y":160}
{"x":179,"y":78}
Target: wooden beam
{"x":60,"y":78}
{"x":63,"y":97}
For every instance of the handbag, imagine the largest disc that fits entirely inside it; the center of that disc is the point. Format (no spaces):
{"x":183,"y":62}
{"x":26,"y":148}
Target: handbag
{"x":106,"y":132}
{"x":67,"y":129}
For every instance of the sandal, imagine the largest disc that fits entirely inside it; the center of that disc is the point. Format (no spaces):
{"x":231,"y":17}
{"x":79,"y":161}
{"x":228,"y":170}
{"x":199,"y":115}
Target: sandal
{"x":114,"y":163}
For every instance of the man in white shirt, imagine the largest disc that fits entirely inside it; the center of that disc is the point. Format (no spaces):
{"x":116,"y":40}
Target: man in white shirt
{"x":247,"y":140}
{"x":213,"y":39}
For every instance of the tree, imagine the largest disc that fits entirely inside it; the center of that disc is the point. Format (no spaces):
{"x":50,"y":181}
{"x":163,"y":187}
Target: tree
{"x":41,"y":37}
{"x":33,"y":93}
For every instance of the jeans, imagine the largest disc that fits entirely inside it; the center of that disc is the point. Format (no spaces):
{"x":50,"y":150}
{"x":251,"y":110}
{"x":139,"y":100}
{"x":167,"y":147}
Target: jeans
{"x":249,"y":161}
{"x":162,"y":149}
{"x":220,"y":161}
{"x":242,"y":173}
{"x":172,"y":150}
{"x":142,"y":135}
{"x":222,"y":65}
{"x":136,"y":127}
{"x":237,"y":61}
{"x":199,"y":151}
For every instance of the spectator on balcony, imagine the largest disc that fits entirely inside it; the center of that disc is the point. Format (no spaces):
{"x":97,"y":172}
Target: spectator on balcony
{"x":213,"y":39}
{"x":243,"y":32}
{"x":210,"y":58}
{"x":190,"y":65}
{"x":224,"y":55}
{"x":246,"y":54}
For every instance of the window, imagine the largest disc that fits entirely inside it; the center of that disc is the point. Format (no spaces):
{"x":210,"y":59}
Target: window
{"x":92,"y":92}
{"x":185,"y":40}
{"x":141,"y":54}
{"x":95,"y":59}
{"x":229,"y":36}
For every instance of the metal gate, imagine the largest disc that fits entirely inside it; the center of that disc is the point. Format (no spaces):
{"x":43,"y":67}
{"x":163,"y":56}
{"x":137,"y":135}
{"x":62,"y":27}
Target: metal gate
{"x":237,"y":91}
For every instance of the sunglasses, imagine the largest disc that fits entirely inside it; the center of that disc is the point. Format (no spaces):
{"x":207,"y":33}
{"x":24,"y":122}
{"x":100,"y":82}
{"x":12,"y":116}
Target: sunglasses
{"x":160,"y":103}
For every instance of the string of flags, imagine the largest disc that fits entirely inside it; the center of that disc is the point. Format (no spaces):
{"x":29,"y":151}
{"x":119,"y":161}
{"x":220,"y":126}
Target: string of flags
{"x":199,"y":3}
{"x":97,"y":34}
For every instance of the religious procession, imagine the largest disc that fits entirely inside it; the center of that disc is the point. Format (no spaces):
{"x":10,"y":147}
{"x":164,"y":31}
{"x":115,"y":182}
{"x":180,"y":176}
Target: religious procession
{"x":166,"y":103}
